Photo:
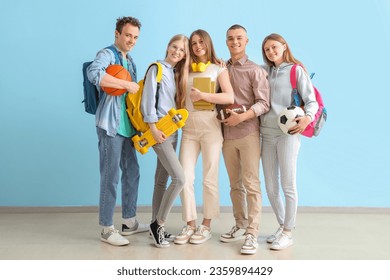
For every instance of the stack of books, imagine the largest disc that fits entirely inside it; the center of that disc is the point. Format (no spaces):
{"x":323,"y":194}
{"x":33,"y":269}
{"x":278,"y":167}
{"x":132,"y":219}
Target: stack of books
{"x":204,"y":84}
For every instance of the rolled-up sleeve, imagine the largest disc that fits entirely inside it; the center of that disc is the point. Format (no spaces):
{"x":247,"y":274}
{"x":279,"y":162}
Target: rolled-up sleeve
{"x":261,"y":91}
{"x":97,"y":69}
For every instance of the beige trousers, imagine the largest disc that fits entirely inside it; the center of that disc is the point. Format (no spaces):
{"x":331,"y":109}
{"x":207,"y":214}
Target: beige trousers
{"x":242,"y":160}
{"x":201,"y":134}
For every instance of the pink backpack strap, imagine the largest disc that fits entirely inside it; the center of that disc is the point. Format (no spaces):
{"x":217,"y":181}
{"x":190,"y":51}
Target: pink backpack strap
{"x":296,"y":98}
{"x":293,"y":76}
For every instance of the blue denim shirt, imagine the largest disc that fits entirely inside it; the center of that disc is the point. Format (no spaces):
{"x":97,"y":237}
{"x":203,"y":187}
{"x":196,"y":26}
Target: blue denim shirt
{"x":109,"y":110}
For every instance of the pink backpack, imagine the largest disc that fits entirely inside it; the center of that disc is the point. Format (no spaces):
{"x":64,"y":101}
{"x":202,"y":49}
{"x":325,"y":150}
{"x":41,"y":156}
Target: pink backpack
{"x":314,"y":128}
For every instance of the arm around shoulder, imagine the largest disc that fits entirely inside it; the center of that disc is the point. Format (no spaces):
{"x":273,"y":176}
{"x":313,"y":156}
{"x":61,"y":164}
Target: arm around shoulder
{"x":227,"y":94}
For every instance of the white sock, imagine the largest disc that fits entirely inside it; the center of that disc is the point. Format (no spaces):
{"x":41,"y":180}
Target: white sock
{"x":107,"y":229}
{"x":129,"y":222}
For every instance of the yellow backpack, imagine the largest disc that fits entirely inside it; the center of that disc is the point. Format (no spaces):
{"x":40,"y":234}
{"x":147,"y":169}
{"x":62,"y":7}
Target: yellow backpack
{"x":133,"y":101}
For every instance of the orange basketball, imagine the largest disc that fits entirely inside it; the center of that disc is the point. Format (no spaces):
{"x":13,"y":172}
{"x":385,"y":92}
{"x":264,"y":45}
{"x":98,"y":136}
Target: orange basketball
{"x":118,"y":71}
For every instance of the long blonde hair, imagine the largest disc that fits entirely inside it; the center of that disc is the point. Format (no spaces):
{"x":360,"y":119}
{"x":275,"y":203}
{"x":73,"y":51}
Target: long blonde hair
{"x":181,"y":70}
{"x":287,"y":55}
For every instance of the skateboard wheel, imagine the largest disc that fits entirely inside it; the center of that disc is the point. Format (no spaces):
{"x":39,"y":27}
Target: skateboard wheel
{"x":143,"y":142}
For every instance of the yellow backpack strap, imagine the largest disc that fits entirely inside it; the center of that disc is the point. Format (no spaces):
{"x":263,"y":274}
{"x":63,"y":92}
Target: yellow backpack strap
{"x":158,"y":78}
{"x":159,"y":72}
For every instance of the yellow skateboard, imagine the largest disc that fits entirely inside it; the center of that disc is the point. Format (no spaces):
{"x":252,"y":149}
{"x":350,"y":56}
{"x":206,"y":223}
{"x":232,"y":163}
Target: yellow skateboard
{"x":169,"y":124}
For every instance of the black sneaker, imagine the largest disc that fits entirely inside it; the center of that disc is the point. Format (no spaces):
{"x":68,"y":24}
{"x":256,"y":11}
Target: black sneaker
{"x":157,"y":233}
{"x":167,"y":236}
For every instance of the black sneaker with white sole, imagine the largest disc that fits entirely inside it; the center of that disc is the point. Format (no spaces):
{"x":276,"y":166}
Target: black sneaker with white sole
{"x":168,"y":236}
{"x":157,"y":233}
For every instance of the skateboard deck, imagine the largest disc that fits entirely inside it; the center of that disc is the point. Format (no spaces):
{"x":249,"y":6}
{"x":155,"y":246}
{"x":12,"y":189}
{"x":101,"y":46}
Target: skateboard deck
{"x":169,"y":124}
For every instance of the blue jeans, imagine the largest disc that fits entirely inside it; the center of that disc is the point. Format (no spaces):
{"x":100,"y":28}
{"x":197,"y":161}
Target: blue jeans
{"x":117,"y":153}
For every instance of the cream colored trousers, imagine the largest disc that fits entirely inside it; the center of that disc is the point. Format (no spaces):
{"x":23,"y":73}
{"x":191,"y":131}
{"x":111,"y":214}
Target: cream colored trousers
{"x":242,"y":161}
{"x":201,"y":134}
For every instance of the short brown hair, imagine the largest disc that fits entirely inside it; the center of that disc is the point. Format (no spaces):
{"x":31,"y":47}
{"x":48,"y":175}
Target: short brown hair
{"x":120,"y":22}
{"x":236,"y":26}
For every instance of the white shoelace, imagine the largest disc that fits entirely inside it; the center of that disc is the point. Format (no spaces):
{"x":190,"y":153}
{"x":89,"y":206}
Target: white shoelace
{"x":250,"y":240}
{"x":185,"y":230}
{"x":200,"y":230}
{"x":160,"y":232}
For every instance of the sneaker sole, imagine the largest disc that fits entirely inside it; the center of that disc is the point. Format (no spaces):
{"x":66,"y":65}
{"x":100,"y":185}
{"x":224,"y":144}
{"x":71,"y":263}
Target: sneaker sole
{"x":113,"y":244}
{"x":281,"y":248}
{"x":229,"y":240}
{"x":167,"y":239}
{"x":181,"y":242}
{"x":248,"y":252}
{"x":161,"y":246}
{"x":199,"y":241}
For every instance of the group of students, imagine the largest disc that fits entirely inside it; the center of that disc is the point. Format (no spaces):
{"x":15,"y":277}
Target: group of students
{"x":265,"y":90}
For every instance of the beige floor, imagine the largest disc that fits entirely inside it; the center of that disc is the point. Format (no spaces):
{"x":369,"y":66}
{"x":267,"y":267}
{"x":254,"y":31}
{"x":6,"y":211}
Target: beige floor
{"x":321,"y":234}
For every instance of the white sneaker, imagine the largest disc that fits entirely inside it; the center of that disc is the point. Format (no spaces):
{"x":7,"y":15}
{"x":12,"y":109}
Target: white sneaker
{"x":274,"y":236}
{"x":185,"y":235}
{"x":250,"y":245}
{"x":201,"y":235}
{"x":112,"y":236}
{"x":282,"y":242}
{"x":233,"y":235}
{"x":136,"y":228}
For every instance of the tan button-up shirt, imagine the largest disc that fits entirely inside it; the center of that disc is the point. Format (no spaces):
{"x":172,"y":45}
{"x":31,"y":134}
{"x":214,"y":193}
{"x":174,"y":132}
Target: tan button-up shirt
{"x":251,"y":88}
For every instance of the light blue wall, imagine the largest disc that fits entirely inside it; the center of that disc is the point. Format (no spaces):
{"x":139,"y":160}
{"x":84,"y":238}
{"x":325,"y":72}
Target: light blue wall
{"x":48,"y":145}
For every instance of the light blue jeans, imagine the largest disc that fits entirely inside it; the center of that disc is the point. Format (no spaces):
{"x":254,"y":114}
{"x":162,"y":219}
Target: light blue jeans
{"x":117,"y":153}
{"x":167,"y":165}
{"x":279,"y":156}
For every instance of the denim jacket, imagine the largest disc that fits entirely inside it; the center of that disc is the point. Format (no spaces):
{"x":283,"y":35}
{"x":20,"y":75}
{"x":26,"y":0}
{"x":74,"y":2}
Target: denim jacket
{"x":109,"y":109}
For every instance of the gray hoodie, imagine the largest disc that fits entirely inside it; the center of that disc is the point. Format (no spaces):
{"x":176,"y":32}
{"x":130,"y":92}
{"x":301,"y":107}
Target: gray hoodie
{"x":280,"y":86}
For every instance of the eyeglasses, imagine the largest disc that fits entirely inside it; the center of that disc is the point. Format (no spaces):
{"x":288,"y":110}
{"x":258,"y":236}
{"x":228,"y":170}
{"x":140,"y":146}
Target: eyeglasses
{"x":176,"y":48}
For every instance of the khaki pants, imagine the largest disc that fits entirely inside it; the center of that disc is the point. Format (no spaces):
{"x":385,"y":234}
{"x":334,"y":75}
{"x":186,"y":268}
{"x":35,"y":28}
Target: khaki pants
{"x":242,"y":160}
{"x":201,"y":134}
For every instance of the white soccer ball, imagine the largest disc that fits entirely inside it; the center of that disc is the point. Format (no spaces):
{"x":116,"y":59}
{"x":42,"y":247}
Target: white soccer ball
{"x":287,"y":116}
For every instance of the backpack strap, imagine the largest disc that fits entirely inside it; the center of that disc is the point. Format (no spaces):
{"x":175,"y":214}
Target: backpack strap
{"x":114,"y":50}
{"x":133,"y":70}
{"x":296,"y":98}
{"x":158,"y":79}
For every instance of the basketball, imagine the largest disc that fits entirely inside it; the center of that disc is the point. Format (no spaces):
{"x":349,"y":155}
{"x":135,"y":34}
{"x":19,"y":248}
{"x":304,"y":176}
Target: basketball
{"x":117,"y":71}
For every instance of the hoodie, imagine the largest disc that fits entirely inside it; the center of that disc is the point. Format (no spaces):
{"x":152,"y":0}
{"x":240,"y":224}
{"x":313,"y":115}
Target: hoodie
{"x":280,"y":86}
